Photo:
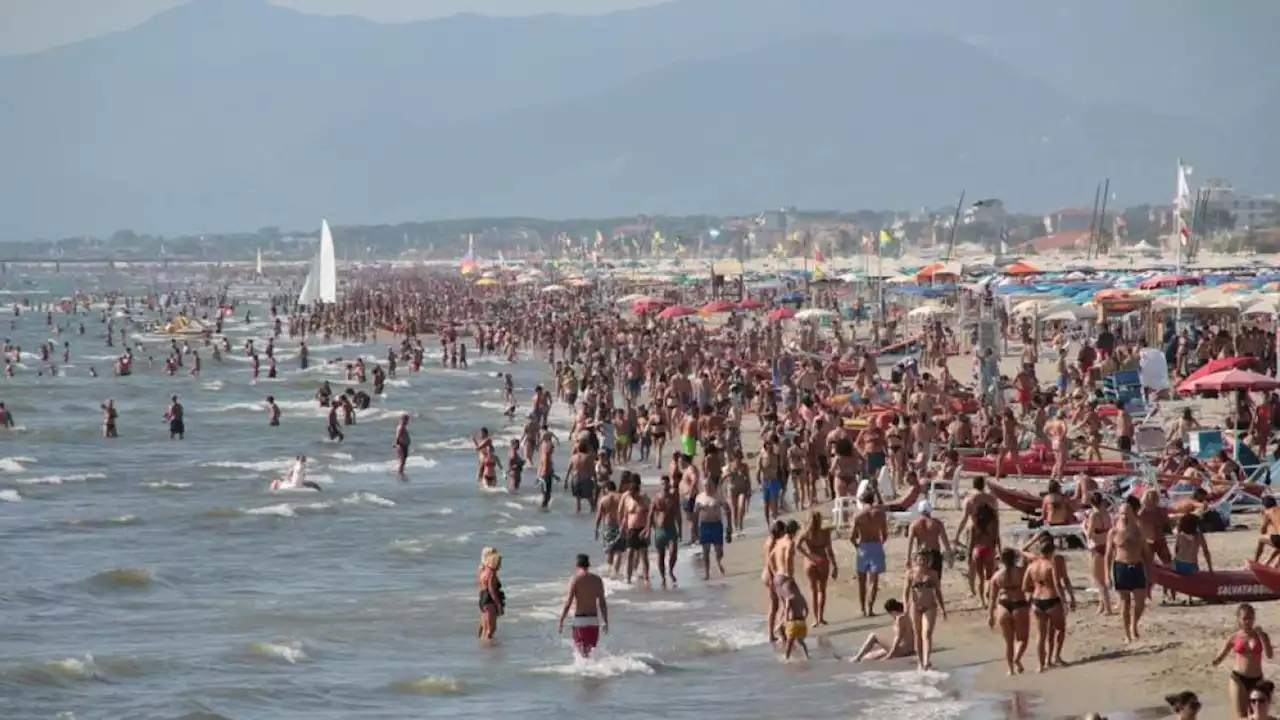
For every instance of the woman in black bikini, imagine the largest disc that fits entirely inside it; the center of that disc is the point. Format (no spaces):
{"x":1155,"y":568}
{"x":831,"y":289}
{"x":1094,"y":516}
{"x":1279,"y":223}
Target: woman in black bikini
{"x":922,"y":594}
{"x":1046,"y":579}
{"x":1009,"y":608}
{"x":1097,"y":528}
{"x":1249,"y":643}
{"x":819,"y":563}
{"x":493,"y":600}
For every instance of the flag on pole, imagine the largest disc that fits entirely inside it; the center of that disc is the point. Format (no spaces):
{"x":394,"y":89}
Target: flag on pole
{"x":885,"y":237}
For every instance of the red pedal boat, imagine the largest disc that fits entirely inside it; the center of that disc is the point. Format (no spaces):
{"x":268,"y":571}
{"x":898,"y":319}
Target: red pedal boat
{"x":1266,"y":575}
{"x":1223,"y":586}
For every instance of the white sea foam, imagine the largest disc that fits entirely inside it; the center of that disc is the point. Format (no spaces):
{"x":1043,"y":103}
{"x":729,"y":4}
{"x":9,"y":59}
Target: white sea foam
{"x":290,"y":651}
{"x":15,"y":464}
{"x":526,"y":531}
{"x":10,"y":495}
{"x":242,"y":407}
{"x":60,"y":479}
{"x":168,"y":485}
{"x":258,"y":466}
{"x":730,"y":635}
{"x":284,"y":510}
{"x":341,"y":456}
{"x":414,"y":462}
{"x":602,"y":665}
{"x":451,"y":444}
{"x":909,"y":694}
{"x":368,"y":498}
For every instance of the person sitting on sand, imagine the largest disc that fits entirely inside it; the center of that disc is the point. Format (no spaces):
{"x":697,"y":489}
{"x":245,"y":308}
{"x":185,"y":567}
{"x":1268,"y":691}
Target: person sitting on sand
{"x":903,"y":643}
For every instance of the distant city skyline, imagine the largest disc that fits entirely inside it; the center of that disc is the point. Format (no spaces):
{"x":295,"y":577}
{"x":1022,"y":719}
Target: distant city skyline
{"x":28,"y":26}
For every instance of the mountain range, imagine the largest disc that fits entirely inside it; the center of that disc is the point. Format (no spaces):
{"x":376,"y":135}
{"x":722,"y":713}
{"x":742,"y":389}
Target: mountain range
{"x":234,"y":114}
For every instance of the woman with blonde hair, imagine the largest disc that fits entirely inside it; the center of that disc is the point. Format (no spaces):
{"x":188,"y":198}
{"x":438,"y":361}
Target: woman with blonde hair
{"x":492,"y":600}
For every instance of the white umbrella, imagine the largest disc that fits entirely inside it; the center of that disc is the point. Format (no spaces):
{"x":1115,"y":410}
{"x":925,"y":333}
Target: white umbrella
{"x":927,"y":311}
{"x":555,"y":289}
{"x":628,"y":299}
{"x":813,"y":314}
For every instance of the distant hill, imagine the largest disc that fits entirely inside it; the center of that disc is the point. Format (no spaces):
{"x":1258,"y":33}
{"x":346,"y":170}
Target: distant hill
{"x":229,"y":114}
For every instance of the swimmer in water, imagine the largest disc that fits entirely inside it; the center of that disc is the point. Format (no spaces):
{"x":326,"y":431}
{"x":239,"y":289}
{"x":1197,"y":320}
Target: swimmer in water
{"x":296,"y":479}
{"x":590,"y":612}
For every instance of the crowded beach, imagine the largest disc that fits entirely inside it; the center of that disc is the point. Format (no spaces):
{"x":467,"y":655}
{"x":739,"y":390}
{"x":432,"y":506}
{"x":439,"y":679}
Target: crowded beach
{"x":1050,"y":477}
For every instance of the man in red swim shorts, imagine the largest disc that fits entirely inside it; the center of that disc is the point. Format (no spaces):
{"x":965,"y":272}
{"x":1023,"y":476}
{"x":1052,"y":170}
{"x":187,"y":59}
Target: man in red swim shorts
{"x":590,"y":613}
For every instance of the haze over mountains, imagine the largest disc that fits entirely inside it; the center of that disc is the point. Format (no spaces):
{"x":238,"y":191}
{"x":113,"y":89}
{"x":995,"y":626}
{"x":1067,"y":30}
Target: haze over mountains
{"x":235,"y":114}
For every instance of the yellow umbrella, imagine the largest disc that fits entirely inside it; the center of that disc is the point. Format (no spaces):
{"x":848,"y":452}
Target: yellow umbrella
{"x":486,"y":281}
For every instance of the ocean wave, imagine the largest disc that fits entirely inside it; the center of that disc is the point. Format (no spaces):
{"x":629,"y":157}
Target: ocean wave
{"x":657,"y":605}
{"x":106,"y":522}
{"x":909,"y":694}
{"x":60,"y":479}
{"x":123,"y":579}
{"x":721,"y":636}
{"x":283,"y":510}
{"x":602,"y":666}
{"x":10,"y":495}
{"x":428,"y":685}
{"x":451,"y":444}
{"x":168,"y":485}
{"x":289,"y":651}
{"x":66,"y":671}
{"x":15,"y":464}
{"x":525,"y":531}
{"x":241,"y":406}
{"x":258,"y":466}
{"x":420,"y":545}
{"x":416,"y":462}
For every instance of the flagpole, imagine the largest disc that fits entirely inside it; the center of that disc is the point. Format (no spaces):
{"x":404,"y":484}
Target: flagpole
{"x":1177,"y":229}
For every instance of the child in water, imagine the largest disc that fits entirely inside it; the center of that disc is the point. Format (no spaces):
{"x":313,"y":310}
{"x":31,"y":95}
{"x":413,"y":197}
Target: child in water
{"x":796,"y":626}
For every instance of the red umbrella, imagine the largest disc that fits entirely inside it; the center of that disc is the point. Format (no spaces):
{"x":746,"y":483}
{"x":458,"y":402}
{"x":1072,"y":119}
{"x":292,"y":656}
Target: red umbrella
{"x":647,"y":305}
{"x":781,"y":313}
{"x":718,"y":306}
{"x":1212,"y":367}
{"x":1168,"y":281}
{"x":676,"y":311}
{"x":751,"y":304}
{"x":1233,"y":380}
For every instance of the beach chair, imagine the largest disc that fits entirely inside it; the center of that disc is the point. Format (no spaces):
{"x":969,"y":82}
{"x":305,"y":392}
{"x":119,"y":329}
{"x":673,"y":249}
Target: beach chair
{"x":1263,"y":473}
{"x":956,"y":494}
{"x":1057,"y":532}
{"x":843,"y":508}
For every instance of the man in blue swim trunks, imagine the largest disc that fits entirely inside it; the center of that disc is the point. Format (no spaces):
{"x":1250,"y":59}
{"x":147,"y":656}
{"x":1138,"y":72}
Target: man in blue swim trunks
{"x":769,"y":474}
{"x":870,"y":532}
{"x":711,"y":511}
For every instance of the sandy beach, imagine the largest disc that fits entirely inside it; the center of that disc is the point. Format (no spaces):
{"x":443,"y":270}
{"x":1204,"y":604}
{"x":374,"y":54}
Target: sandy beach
{"x":1103,"y":675}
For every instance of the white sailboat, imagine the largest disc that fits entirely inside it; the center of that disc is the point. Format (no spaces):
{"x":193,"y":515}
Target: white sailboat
{"x":322,"y":278}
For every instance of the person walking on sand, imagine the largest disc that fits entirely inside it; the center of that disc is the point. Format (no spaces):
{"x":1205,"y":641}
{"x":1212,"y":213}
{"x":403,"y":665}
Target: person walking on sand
{"x":1046,"y":581}
{"x":1007,"y":606}
{"x":710,"y":511}
{"x":1249,"y":644}
{"x":819,"y":563}
{"x":870,"y":533}
{"x":1128,"y":556}
{"x":585,"y":597}
{"x":928,"y":535}
{"x":922,"y":596}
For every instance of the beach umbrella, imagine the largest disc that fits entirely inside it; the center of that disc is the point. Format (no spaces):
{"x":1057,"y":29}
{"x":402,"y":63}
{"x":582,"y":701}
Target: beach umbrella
{"x":1231,"y":380}
{"x":751,"y":304}
{"x":633,"y":297}
{"x":1233,"y":286}
{"x":780,"y":314}
{"x":795,"y":297}
{"x":525,"y":281}
{"x":813,"y":314}
{"x":486,"y":282}
{"x":677,"y":311}
{"x":647,"y":305}
{"x":1021,"y":268}
{"x":1213,"y":367}
{"x":555,"y":289}
{"x":1168,"y":281}
{"x":925,"y":311}
{"x":718,"y":306}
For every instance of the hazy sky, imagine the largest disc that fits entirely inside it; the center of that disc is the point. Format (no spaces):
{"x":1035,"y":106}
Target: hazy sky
{"x":31,"y":25}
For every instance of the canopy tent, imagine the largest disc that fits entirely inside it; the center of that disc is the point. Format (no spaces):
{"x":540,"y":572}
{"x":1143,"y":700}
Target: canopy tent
{"x":1021,"y":268}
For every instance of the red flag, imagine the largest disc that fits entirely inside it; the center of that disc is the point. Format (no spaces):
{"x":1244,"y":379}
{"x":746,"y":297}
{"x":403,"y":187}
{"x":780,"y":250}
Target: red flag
{"x":817,"y":255}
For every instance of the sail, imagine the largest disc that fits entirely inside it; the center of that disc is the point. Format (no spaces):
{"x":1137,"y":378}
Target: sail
{"x":259,"y":261}
{"x":311,"y":286}
{"x":326,"y":266}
